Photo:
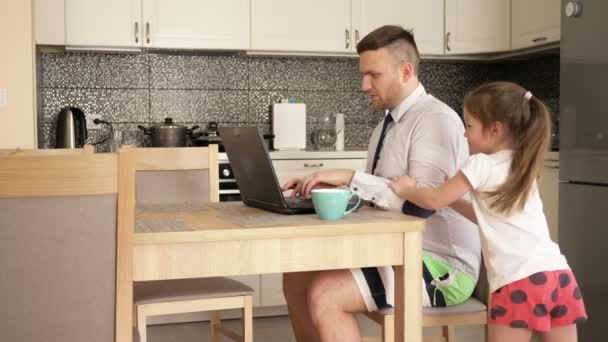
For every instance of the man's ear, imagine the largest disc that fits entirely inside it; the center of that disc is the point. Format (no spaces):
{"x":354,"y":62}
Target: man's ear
{"x":407,"y":71}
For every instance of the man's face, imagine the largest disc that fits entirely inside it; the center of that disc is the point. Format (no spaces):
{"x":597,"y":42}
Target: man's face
{"x":382,"y":78}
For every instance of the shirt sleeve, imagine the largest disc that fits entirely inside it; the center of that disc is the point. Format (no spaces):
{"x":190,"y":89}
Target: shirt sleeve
{"x":477,"y":170}
{"x":376,"y":190}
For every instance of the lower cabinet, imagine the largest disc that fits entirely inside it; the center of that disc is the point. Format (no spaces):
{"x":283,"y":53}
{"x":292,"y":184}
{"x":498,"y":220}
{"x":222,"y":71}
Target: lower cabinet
{"x":548,"y":187}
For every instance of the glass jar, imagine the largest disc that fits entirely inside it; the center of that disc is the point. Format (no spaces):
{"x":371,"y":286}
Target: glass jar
{"x":324,"y":137}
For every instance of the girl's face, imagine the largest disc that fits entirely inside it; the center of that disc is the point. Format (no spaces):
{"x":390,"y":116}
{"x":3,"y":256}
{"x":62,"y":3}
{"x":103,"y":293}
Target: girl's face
{"x":480,"y":140}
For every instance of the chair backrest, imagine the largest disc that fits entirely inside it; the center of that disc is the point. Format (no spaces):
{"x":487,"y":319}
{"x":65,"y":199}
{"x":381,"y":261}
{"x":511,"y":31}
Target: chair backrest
{"x":66,"y":223}
{"x":177,"y":175}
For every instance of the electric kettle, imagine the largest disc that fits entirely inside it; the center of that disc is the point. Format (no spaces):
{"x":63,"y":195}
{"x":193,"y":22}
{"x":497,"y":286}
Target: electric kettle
{"x":71,"y":129}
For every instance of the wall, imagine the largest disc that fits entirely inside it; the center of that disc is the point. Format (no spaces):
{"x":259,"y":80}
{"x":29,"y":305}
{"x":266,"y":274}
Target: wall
{"x":194,"y":88}
{"x":17,"y":128}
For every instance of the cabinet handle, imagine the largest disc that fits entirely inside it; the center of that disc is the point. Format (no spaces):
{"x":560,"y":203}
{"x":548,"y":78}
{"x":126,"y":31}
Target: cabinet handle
{"x":313,"y":165}
{"x":136,"y":32}
{"x":356,"y":37}
{"x":148,"y":33}
{"x":347,"y":38}
{"x":539,"y":39}
{"x":447,"y":42}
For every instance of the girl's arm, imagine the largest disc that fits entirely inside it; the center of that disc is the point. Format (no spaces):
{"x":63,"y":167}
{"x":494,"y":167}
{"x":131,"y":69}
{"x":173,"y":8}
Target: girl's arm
{"x":431,"y":198}
{"x":464,"y":208}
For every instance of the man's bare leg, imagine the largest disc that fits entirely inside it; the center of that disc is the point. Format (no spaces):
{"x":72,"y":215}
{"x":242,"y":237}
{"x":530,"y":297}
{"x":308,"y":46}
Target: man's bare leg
{"x":333,"y":300}
{"x":295,"y":289}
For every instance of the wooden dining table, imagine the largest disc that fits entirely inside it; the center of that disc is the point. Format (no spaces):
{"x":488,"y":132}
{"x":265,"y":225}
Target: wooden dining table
{"x":231,"y":239}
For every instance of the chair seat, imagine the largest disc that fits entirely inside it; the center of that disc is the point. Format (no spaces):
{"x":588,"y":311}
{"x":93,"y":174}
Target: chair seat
{"x":174,"y":290}
{"x":472,"y":305}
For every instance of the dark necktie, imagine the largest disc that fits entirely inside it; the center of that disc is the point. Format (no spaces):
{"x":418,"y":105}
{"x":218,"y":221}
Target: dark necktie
{"x":387,"y":121}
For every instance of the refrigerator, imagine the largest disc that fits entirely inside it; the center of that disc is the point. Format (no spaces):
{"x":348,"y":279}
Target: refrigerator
{"x":583,"y":188}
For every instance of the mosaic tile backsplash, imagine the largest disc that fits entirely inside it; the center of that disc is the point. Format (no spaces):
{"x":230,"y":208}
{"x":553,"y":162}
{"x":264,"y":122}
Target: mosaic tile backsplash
{"x":194,"y":89}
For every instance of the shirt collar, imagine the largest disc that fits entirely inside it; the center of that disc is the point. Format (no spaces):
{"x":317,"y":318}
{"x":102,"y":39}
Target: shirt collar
{"x":408,"y":102}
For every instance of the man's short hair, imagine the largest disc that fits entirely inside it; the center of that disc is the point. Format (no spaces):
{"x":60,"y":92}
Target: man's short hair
{"x":398,"y":40}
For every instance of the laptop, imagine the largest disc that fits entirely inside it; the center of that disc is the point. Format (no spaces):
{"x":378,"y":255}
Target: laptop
{"x":255,"y":175}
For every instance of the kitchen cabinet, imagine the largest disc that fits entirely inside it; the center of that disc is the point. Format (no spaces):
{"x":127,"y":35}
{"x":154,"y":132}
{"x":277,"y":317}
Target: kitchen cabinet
{"x":534,"y":22}
{"x":477,"y":26}
{"x":426,"y":19}
{"x":293,"y":25}
{"x":49,"y":19}
{"x":187,"y":24}
{"x":193,"y":24}
{"x":548,"y":187}
{"x":320,"y":25}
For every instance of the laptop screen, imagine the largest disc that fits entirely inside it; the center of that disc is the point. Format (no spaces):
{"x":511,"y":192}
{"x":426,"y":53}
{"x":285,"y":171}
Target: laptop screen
{"x":252,"y":165}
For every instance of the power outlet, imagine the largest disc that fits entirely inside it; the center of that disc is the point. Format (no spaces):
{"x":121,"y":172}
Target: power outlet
{"x":90,"y":119}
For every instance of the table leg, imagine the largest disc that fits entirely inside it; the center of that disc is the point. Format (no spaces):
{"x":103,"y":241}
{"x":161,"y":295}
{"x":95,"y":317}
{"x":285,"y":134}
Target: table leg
{"x":408,"y":291}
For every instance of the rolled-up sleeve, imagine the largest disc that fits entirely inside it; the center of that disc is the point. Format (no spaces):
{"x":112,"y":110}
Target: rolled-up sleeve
{"x":375,"y":189}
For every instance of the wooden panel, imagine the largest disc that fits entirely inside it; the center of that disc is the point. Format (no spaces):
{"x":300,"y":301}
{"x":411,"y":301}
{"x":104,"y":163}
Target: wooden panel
{"x":124,"y":245}
{"x":189,"y":260}
{"x":59,"y":175}
{"x":172,"y":158}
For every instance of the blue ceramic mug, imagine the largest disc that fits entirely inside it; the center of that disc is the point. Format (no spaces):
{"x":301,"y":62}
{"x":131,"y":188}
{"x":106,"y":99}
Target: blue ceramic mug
{"x":330,"y":204}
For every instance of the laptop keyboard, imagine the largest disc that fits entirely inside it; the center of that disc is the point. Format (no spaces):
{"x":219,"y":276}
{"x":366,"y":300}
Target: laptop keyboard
{"x":298,"y":202}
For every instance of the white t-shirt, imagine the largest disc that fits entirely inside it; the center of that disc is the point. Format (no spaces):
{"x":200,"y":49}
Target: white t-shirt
{"x":514,"y":246}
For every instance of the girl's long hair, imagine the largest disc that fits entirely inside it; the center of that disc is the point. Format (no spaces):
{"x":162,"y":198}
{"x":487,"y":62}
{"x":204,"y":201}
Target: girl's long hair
{"x":527,"y":123}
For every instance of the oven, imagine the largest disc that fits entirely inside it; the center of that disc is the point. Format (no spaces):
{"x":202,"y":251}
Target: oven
{"x":229,"y":190}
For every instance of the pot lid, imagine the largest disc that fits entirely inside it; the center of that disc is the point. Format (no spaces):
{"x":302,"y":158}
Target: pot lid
{"x":168,"y":124}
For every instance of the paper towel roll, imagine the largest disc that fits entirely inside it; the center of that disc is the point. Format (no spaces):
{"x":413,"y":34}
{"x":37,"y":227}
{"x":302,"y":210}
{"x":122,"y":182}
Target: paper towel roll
{"x":339,"y":132}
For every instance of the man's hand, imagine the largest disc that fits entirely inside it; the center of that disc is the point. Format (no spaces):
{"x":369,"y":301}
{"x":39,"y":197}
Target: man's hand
{"x":402,"y":185}
{"x":320,"y":179}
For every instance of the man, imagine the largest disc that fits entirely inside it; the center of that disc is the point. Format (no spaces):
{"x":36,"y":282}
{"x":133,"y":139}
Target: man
{"x":422,"y":137}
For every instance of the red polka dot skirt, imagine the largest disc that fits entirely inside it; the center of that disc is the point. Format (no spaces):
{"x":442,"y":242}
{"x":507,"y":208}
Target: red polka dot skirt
{"x":539,"y":302}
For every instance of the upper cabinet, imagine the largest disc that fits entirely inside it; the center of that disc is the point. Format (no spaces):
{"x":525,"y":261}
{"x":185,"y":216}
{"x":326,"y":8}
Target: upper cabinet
{"x":477,"y":26}
{"x":425,"y":18}
{"x":312,"y":27}
{"x":193,"y":24}
{"x":320,"y":25}
{"x":105,"y":23}
{"x":213,"y":24}
{"x":534,"y":22}
{"x":49,"y":19}
{"x":295,"y":25}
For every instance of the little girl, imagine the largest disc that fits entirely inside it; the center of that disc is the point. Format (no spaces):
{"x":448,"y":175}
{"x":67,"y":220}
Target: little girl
{"x":532,"y":286}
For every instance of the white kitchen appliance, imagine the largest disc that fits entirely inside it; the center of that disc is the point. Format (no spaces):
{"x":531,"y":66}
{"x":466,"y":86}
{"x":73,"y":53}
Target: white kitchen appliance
{"x":289,"y":126}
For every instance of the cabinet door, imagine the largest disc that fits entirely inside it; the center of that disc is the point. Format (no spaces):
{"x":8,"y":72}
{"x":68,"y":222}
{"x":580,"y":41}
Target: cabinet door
{"x":49,"y":16}
{"x":548,"y":187}
{"x":294,"y":25}
{"x":477,"y":26}
{"x":104,"y":23}
{"x":426,"y":19}
{"x":534,"y":22}
{"x":196,"y":24}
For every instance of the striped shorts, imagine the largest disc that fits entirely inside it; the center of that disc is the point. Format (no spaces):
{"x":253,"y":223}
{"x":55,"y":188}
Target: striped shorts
{"x":442,"y":284}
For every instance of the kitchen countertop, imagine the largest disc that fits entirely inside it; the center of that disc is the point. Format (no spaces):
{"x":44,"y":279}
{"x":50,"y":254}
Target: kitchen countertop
{"x":309,"y":154}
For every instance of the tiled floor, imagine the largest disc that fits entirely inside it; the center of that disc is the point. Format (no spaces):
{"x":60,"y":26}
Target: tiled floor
{"x":271,"y":329}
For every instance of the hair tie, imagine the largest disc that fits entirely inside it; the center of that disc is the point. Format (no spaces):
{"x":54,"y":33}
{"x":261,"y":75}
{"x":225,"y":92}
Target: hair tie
{"x":528,"y":95}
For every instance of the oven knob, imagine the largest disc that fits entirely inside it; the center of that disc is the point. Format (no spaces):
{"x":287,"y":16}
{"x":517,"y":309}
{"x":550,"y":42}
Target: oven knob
{"x":226,"y":173}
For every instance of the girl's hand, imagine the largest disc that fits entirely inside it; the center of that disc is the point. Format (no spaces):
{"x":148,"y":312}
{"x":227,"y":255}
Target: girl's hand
{"x":402,"y":185}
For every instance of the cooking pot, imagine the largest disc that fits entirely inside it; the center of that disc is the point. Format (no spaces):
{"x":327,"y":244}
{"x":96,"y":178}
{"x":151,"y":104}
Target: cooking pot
{"x":168,"y":134}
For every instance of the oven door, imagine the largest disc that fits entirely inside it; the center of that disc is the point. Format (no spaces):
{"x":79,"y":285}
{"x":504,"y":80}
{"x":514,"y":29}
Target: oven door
{"x":229,"y":190}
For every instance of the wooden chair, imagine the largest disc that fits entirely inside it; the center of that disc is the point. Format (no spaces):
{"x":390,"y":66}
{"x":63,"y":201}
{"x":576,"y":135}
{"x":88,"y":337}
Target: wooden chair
{"x":185,"y":176}
{"x":66,"y":222}
{"x":474,"y":311}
